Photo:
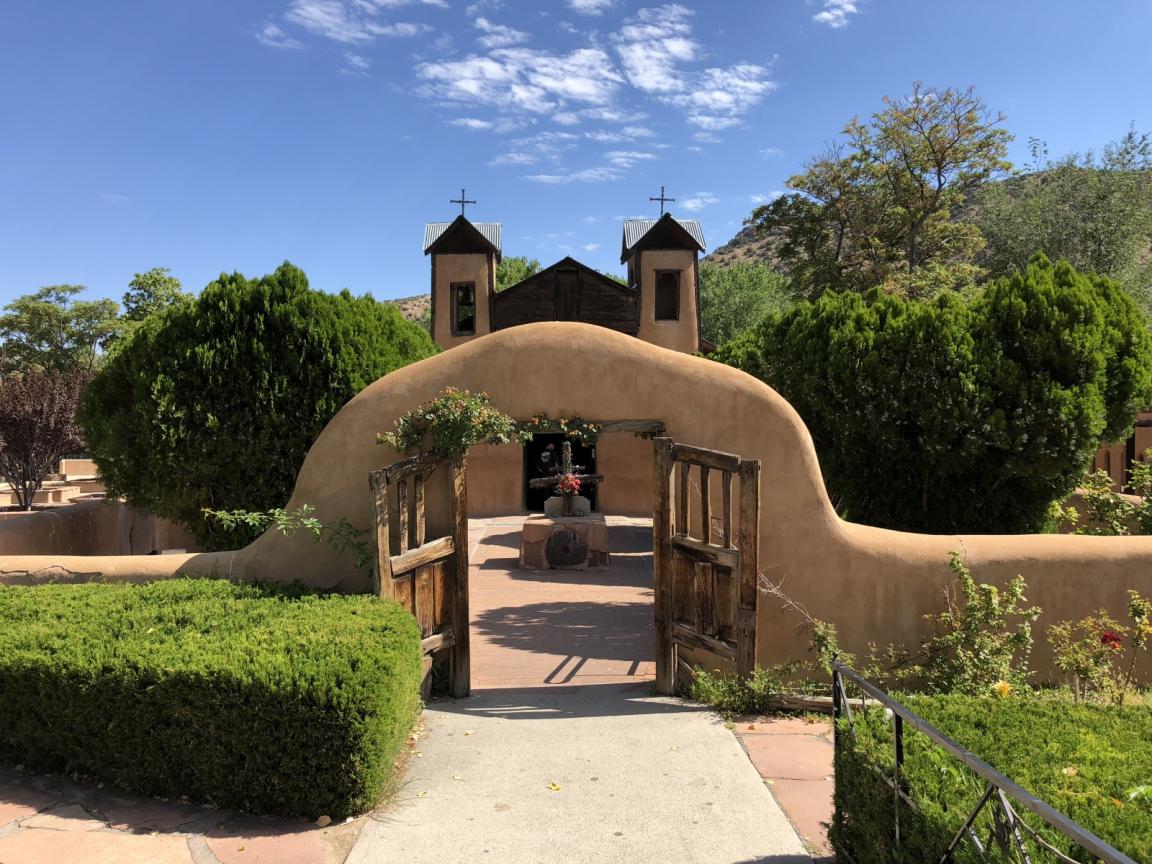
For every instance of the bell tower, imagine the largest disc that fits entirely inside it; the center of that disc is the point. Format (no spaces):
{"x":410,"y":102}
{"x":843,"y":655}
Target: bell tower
{"x":464,"y":256}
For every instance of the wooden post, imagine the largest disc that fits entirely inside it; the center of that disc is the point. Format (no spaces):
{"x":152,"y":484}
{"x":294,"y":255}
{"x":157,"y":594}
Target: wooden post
{"x":662,"y":565}
{"x":684,"y":511}
{"x":705,"y":504}
{"x":381,"y":564}
{"x":402,"y":511}
{"x":461,"y":679}
{"x":726,"y":521}
{"x":418,"y":494}
{"x":748,"y":589}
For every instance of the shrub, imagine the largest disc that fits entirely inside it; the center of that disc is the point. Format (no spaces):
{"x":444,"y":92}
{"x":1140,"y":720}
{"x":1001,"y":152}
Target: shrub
{"x":1098,"y":654}
{"x":1088,"y":761}
{"x":451,"y":423}
{"x":975,"y":413}
{"x":246,"y":696}
{"x":214,"y":403}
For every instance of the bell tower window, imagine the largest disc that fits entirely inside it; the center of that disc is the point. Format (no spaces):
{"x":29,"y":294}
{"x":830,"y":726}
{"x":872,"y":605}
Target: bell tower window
{"x":463,"y":308}
{"x":667,"y":295}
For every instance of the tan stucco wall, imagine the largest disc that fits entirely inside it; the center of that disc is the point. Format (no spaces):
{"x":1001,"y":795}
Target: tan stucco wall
{"x":474,"y":267}
{"x":680,"y":335}
{"x":874,"y":584}
{"x":90,"y":528}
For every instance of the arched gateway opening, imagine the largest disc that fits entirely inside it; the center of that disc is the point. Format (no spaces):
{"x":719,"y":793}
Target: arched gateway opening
{"x":494,"y":611}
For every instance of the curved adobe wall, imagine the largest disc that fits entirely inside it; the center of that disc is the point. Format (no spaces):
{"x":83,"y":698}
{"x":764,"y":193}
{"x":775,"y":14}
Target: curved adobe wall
{"x":874,"y":584}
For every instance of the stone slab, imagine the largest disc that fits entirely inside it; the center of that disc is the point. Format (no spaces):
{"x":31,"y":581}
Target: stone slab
{"x":66,"y":817}
{"x":256,"y":841}
{"x":793,"y":757}
{"x":809,"y":806}
{"x":45,"y":846}
{"x":17,"y":802}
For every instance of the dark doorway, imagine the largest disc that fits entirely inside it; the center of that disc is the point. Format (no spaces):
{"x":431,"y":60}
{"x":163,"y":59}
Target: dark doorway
{"x":542,"y":459}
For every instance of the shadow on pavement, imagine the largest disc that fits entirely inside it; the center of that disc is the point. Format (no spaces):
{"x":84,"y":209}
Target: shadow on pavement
{"x":588,"y":700}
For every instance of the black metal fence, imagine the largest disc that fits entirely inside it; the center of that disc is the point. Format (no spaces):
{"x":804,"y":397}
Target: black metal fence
{"x":1008,"y":838}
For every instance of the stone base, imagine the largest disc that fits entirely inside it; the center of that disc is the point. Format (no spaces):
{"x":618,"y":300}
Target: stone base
{"x":564,"y":542}
{"x":554,"y":506}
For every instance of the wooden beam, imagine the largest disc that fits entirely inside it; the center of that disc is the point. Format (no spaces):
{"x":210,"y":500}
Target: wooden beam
{"x":461,"y":675}
{"x":689,"y":638}
{"x":418,"y":507}
{"x":381,"y":561}
{"x":711,"y":458}
{"x":698,"y":550}
{"x":683,"y":521}
{"x":684,"y":675}
{"x":424,"y":464}
{"x":436,"y":642}
{"x":747,"y":590}
{"x":726,"y":518}
{"x":429,"y":553}
{"x":662,"y":565}
{"x":402,"y":512}
{"x":636,"y":427}
{"x":705,"y":504}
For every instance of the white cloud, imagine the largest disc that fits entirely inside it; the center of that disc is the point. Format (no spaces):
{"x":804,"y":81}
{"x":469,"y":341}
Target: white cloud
{"x":114,"y":198}
{"x":566,"y":118}
{"x":541,"y":147}
{"x":705,"y":138}
{"x":591,"y":247}
{"x":835,"y":13}
{"x":769,"y":152}
{"x":588,"y":175}
{"x":699,"y":201}
{"x":497,"y":35}
{"x":524,"y":79}
{"x":273,"y":36}
{"x":590,"y":220}
{"x":653,"y":43}
{"x":353,"y":21}
{"x":514,"y":158}
{"x":616,"y":136}
{"x":764,"y":199}
{"x":694,"y":149}
{"x":357,"y":62}
{"x":590,"y":7}
{"x":472,"y":123}
{"x":626,"y":158}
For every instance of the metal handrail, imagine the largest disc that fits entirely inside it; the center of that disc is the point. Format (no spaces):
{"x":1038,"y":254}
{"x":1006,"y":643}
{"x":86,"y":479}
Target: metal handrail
{"x":999,"y":786}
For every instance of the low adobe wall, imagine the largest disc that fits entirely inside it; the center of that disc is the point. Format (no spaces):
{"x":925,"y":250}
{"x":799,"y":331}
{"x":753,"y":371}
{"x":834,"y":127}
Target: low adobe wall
{"x":875,"y":584}
{"x":96,"y":527}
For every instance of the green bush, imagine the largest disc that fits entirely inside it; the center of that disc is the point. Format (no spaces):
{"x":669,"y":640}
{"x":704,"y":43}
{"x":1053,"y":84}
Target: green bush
{"x":960,"y":413}
{"x":1090,"y":762}
{"x":269,"y":700}
{"x":215,"y":402}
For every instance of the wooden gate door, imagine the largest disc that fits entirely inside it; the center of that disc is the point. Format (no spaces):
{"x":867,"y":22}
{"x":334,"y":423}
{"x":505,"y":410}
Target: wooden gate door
{"x":427,"y":577}
{"x":705,"y":568}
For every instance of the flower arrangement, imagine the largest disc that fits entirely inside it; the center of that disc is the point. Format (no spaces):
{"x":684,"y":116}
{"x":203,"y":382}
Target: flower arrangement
{"x":568,"y":486}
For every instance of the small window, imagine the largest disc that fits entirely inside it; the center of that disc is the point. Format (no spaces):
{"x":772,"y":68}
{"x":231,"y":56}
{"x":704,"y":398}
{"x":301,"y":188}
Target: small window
{"x":463,"y":308}
{"x":668,"y":295}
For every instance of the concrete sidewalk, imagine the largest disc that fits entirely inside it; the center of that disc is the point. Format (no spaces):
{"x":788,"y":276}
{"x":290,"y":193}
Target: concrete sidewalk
{"x":597,"y":773}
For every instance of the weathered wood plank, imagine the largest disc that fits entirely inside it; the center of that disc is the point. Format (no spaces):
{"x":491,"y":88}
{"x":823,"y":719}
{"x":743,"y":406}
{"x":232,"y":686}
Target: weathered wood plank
{"x":700,"y":551}
{"x":684,"y":675}
{"x":424,"y":464}
{"x":461,"y":676}
{"x":683,"y":520}
{"x":418,"y":509}
{"x":689,"y":638}
{"x":725,"y":603}
{"x":443,"y":615}
{"x":662,"y":565}
{"x":436,"y":550}
{"x":705,"y":598}
{"x":425,"y":601}
{"x":709,"y":458}
{"x":426,"y":679}
{"x":403,"y":593}
{"x":726,"y":513}
{"x":636,"y":427}
{"x":683,"y":589}
{"x":749,"y":566}
{"x":705,"y":504}
{"x":381,"y":567}
{"x":436,"y":642}
{"x":402,"y":513}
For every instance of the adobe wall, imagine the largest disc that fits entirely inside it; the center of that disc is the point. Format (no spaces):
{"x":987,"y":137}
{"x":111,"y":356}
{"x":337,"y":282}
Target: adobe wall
{"x":874,"y":584}
{"x":680,"y":335}
{"x":97,"y":527}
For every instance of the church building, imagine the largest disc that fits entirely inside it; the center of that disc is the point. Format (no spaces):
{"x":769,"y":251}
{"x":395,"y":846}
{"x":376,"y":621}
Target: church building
{"x":659,"y":303}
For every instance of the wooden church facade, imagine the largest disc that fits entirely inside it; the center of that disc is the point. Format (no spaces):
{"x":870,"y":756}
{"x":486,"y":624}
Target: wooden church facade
{"x":659,"y":303}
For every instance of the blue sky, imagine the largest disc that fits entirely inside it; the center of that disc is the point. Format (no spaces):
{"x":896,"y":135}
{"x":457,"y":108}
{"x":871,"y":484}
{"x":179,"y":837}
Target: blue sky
{"x":220,"y":135}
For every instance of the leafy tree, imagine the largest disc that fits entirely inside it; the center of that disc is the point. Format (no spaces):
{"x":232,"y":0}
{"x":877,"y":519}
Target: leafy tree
{"x":1094,"y":211}
{"x":876,"y":209}
{"x":150,"y":292}
{"x":37,"y":427}
{"x":215,"y":403}
{"x":53,"y":330}
{"x":736,"y":296}
{"x":514,"y":269}
{"x":959,"y":414}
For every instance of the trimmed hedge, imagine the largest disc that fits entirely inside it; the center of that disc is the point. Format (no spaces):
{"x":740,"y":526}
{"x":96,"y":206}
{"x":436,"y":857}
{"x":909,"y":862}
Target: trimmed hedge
{"x":254,"y":697}
{"x":1090,"y":762}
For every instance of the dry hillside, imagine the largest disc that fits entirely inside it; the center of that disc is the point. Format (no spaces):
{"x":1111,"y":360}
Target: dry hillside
{"x":413,"y":308}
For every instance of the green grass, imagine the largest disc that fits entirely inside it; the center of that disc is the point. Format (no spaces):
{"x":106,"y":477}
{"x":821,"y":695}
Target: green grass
{"x":265,"y":699}
{"x":1091,"y":762}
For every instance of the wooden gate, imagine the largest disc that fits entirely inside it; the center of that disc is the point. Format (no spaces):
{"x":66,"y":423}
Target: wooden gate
{"x":427,"y":577}
{"x":705,"y":568}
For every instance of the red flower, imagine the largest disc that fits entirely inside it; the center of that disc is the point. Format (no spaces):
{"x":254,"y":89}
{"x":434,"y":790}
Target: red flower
{"x":1111,"y":639}
{"x":569,"y":485}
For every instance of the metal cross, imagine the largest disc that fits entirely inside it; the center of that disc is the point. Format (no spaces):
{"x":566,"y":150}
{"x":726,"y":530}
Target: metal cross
{"x":462,"y":201}
{"x":662,"y":200}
